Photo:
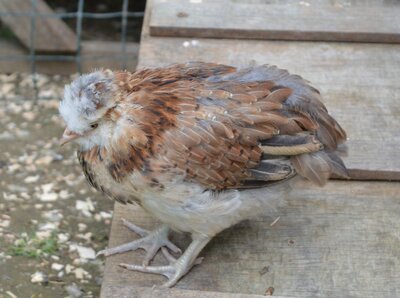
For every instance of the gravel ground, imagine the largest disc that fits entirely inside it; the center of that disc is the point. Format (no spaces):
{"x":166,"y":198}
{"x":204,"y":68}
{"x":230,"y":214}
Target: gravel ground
{"x":51,"y":221}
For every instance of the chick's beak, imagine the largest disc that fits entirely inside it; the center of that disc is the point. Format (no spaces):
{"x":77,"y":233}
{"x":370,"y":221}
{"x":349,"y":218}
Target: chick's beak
{"x":68,"y":136}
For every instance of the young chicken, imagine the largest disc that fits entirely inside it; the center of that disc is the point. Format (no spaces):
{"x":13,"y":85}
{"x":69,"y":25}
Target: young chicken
{"x":188,"y":142}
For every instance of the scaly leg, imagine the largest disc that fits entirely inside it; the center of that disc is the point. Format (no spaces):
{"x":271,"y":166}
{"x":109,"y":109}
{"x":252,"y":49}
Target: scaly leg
{"x":177,"y":267}
{"x":151,"y":242}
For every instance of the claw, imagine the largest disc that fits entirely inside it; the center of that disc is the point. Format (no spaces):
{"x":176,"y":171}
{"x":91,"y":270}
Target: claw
{"x":177,"y":268}
{"x":151,"y":242}
{"x":134,"y":228}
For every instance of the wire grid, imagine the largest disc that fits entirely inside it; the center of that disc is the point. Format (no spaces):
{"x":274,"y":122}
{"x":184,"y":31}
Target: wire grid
{"x":124,"y":14}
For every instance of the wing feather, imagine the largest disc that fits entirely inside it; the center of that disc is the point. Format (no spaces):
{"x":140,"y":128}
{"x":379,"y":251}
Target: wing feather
{"x":226,"y":127}
{"x":254,"y":119}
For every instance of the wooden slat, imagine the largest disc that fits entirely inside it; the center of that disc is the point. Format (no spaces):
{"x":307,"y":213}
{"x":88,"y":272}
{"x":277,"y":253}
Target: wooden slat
{"x":91,"y":50}
{"x":337,"y":241}
{"x":52,"y":34}
{"x":126,"y":291}
{"x":358,"y":82}
{"x":287,"y":21}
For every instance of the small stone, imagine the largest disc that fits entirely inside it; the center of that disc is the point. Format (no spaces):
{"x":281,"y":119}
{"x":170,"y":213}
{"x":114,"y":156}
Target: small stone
{"x":16,"y":188}
{"x":39,"y":277}
{"x":21,"y":133}
{"x":57,"y":266}
{"x":4,"y":223}
{"x":27,"y":105}
{"x":56,"y":156}
{"x":86,"y":207}
{"x":80,"y":273}
{"x":31,"y":179}
{"x":25,"y":195}
{"x":86,"y":236}
{"x":6,"y":135}
{"x":45,"y":160}
{"x":7,"y":88}
{"x":49,"y":104}
{"x":68,"y":268}
{"x":82,"y":227}
{"x":14,"y":167}
{"x":74,"y":291}
{"x":78,"y":262}
{"x":64,"y":194}
{"x":49,"y":197}
{"x":47,"y":93}
{"x":43,"y":234}
{"x":105,"y":215}
{"x":11,"y":294}
{"x":84,"y":252}
{"x":62,"y":237}
{"x":49,"y":226}
{"x":53,"y":215}
{"x":47,"y":187}
{"x":29,"y":116}
{"x":9,"y":197}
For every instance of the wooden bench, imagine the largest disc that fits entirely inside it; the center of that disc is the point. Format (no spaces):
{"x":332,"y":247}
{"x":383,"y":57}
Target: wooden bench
{"x":339,"y":241}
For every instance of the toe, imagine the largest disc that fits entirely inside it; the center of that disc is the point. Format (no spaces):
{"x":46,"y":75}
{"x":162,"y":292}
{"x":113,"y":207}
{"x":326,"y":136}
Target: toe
{"x":101,"y":252}
{"x":171,"y":259}
{"x":134,"y":228}
{"x":150,"y":254}
{"x":172,"y":281}
{"x":173,"y":247}
{"x":167,"y":271}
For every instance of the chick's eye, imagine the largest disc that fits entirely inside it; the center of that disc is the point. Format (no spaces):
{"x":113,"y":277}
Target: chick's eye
{"x":94,"y":125}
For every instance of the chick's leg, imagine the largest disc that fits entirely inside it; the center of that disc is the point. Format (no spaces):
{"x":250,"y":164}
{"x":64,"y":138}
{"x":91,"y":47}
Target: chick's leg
{"x":177,"y":267}
{"x":151,"y":242}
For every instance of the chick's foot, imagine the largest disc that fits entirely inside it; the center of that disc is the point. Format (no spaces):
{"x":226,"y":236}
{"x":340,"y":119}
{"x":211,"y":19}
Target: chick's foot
{"x":177,"y":268}
{"x":151,"y":242}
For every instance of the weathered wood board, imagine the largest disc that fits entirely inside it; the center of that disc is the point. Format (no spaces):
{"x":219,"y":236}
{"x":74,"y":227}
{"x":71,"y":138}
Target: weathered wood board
{"x":339,"y":241}
{"x":359,"y":84}
{"x":300,"y":20}
{"x":146,"y":292}
{"x":51,"y":34}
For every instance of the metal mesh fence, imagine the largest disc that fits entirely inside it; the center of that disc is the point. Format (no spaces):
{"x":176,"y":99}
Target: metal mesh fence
{"x":79,"y":15}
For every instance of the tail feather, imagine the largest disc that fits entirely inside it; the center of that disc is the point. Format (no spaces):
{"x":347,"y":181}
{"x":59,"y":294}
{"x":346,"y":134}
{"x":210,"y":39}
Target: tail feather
{"x":319,"y":166}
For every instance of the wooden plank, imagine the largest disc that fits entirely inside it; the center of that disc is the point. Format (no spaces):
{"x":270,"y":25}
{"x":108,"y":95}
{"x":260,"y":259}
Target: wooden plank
{"x":112,"y":291}
{"x":52,"y":34}
{"x":339,"y":241}
{"x":287,"y":21}
{"x":91,"y":51}
{"x":358,"y":82}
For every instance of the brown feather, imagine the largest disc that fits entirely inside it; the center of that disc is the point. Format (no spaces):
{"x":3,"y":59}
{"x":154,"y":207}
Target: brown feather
{"x":221,"y":127}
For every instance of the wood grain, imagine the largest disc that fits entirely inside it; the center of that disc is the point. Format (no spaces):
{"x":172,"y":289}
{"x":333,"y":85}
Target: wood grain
{"x":286,"y":21}
{"x":111,"y":291}
{"x":338,"y":241}
{"x":359,"y":85}
{"x":52,"y":34}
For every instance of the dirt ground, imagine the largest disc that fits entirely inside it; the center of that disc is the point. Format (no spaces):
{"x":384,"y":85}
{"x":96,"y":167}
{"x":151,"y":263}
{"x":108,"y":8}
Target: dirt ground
{"x":51,"y":221}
